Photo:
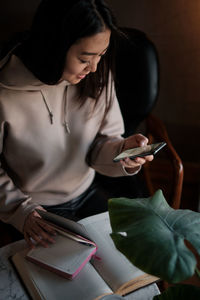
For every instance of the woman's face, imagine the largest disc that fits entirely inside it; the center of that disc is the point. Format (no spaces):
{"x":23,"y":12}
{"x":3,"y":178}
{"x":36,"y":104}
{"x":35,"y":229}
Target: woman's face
{"x":84,"y":56}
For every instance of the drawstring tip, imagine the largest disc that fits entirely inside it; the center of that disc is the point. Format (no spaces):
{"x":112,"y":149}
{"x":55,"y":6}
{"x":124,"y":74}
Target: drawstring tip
{"x":66,"y":125}
{"x":51,"y":117}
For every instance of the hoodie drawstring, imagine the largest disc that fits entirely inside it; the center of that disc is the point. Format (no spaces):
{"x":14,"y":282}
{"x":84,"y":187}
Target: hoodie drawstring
{"x":65,"y":123}
{"x":49,"y":110}
{"x":51,"y":116}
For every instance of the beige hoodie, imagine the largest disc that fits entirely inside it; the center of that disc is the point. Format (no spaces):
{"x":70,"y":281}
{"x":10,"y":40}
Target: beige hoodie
{"x":42,"y":163}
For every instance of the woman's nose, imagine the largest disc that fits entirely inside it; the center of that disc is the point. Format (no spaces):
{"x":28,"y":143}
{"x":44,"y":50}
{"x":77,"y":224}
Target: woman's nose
{"x":92,"y":67}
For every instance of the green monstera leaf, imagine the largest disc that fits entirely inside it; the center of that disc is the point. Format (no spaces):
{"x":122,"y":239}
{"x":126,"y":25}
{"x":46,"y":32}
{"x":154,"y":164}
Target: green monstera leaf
{"x":151,"y":235}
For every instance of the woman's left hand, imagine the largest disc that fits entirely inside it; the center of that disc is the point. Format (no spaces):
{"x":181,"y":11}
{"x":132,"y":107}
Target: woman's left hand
{"x":136,"y":140}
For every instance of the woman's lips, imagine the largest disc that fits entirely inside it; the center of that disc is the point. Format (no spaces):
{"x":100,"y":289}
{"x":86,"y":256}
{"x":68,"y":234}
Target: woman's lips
{"x":82,"y":76}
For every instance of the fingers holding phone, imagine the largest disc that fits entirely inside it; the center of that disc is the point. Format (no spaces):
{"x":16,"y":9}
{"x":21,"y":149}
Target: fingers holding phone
{"x":137,"y":156}
{"x":135,"y":140}
{"x":136,"y":161}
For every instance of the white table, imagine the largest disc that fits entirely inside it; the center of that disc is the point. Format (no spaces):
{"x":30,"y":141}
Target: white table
{"x":11,"y":287}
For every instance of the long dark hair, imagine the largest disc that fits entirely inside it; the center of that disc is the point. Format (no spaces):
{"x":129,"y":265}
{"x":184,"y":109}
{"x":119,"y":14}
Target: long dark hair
{"x":57,"y":25}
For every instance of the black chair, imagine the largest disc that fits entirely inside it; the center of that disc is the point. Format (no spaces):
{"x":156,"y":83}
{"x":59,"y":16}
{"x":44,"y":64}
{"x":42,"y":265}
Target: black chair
{"x":137,"y":77}
{"x":137,"y":88}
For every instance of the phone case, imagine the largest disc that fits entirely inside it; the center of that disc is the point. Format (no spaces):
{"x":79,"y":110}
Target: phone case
{"x":140,"y":151}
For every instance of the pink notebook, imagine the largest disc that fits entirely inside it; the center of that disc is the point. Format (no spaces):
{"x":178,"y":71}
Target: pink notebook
{"x":71,"y":251}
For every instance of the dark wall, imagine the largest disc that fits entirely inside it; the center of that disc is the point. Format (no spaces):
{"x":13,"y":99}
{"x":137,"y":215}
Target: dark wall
{"x":15,"y":16}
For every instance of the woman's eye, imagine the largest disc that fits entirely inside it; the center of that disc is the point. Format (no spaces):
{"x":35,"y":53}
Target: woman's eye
{"x":84,"y":61}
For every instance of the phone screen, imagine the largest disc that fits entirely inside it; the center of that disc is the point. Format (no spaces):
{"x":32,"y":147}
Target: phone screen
{"x":140,"y":151}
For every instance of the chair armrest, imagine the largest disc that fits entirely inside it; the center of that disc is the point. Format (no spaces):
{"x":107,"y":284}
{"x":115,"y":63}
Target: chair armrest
{"x":156,"y":131}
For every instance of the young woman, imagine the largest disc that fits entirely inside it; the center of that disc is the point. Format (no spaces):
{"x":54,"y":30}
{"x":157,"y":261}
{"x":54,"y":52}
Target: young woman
{"x":59,"y":117}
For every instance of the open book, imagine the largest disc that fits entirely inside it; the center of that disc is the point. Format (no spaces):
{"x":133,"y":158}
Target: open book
{"x":111,"y":273}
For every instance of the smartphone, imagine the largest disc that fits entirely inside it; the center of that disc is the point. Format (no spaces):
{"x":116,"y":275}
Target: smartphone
{"x":140,"y":151}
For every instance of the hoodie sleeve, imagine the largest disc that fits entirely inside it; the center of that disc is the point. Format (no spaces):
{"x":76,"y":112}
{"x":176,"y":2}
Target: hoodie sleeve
{"x":14,"y":205}
{"x":109,"y":141}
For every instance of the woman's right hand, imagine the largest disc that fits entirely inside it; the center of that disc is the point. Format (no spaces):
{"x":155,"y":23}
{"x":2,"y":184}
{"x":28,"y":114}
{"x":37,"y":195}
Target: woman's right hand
{"x":37,"y":231}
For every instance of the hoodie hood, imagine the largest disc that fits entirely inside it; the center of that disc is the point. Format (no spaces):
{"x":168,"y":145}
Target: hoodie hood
{"x":15,"y":76}
{"x":25,"y":80}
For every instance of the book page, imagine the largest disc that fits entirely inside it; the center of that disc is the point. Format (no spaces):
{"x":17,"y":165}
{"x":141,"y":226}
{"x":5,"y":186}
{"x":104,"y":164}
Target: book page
{"x":65,"y":255}
{"x":43,"y":285}
{"x":114,"y":267}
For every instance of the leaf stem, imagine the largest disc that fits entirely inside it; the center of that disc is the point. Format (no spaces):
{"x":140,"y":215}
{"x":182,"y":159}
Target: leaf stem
{"x":197,"y":272}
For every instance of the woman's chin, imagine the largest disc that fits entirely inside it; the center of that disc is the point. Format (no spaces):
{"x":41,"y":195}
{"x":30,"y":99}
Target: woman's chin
{"x":74,"y":80}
